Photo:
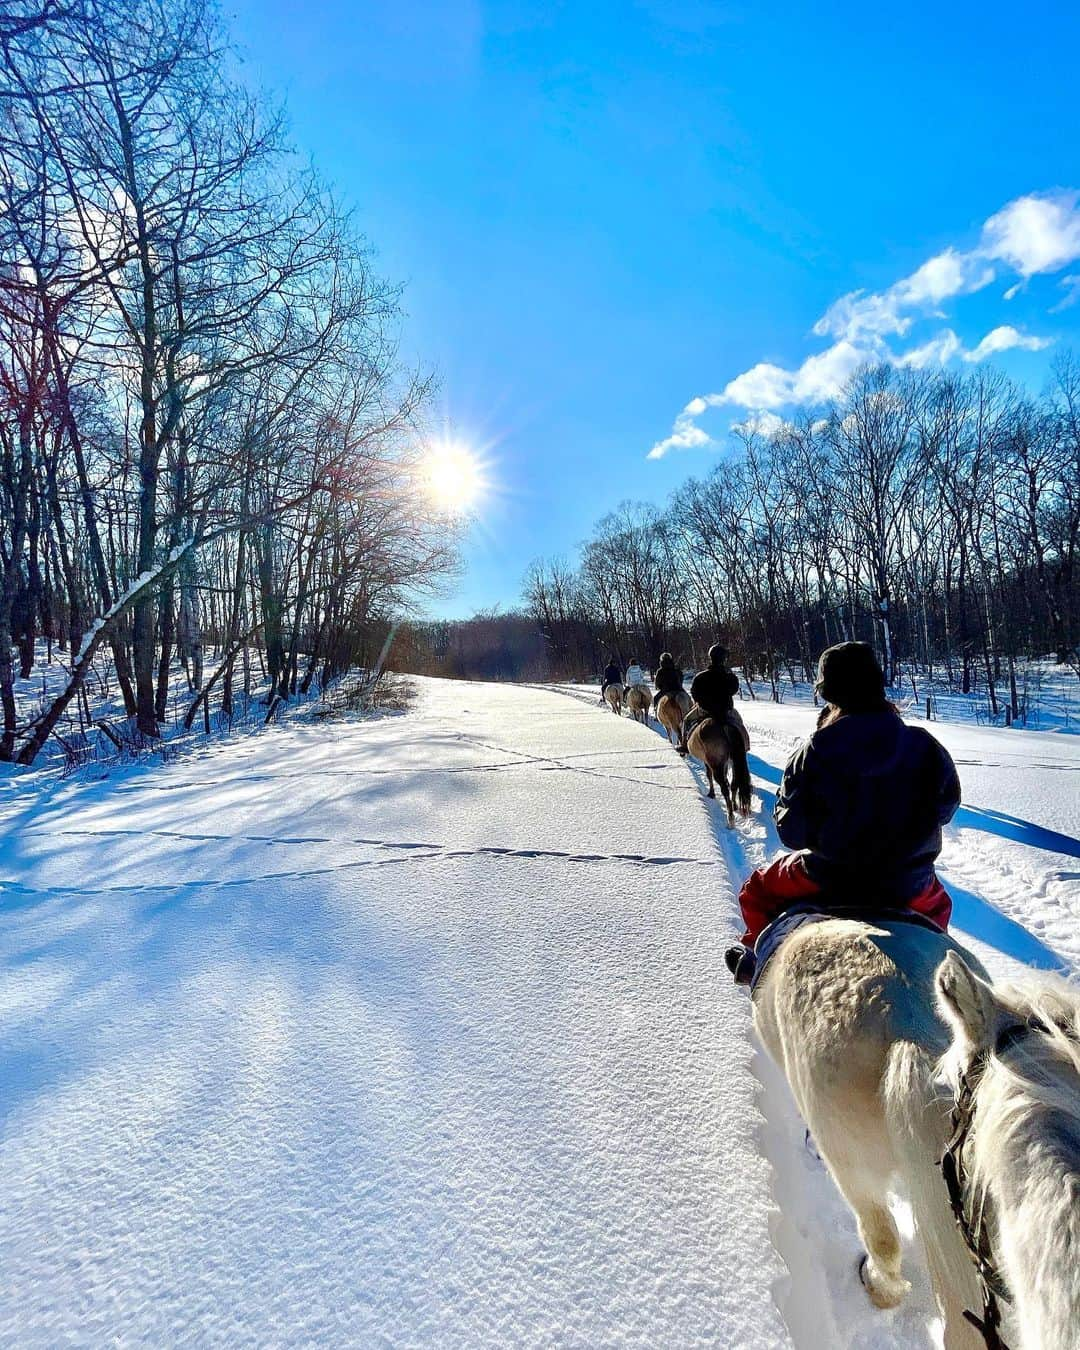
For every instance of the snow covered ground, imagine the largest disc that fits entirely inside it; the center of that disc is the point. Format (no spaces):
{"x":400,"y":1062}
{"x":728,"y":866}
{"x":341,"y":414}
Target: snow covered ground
{"x":1048,"y":694}
{"x":417,"y":1032}
{"x":78,"y":741}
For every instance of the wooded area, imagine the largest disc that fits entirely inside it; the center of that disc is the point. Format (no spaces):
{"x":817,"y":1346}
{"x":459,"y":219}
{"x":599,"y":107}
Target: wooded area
{"x":934,"y":514}
{"x":206,"y":438}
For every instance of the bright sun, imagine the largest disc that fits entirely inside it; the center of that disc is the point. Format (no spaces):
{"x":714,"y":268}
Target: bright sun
{"x":454,"y":477}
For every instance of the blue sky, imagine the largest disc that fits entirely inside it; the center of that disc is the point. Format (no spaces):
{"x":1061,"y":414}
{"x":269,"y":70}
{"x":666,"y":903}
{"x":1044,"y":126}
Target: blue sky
{"x":607,"y":213}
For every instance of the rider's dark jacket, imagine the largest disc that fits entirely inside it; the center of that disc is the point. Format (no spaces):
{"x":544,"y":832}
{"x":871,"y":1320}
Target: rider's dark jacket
{"x":714,"y":690}
{"x":613,"y":675}
{"x":867,"y":796}
{"x":667,"y":679}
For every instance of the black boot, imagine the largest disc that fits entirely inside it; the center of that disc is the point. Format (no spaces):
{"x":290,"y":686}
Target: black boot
{"x":742,"y":963}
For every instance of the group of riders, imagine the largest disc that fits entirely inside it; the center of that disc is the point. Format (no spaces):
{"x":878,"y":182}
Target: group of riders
{"x":712,"y":692}
{"x":861,"y":805}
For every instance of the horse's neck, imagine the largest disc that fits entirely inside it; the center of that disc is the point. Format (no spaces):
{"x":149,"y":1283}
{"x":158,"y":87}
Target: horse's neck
{"x":1027,"y":1161}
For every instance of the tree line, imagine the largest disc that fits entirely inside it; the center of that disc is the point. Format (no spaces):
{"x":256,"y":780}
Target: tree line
{"x":934,"y":514}
{"x":207,"y":440}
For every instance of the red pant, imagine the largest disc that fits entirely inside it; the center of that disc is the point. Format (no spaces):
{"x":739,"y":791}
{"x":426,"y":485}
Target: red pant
{"x":770,"y":890}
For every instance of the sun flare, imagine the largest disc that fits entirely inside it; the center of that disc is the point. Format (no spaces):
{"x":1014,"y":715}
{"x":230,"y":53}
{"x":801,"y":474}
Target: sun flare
{"x":454,"y":477}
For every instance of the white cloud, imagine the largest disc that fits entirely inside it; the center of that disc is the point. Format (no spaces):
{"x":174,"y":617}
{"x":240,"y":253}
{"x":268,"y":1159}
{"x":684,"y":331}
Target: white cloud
{"x":1034,"y":234}
{"x":762,"y":386}
{"x":761,"y":422}
{"x":937,"y":351}
{"x":684,"y":435}
{"x":938,"y":278}
{"x":1071,"y":286}
{"x":766,"y":386}
{"x":1001,"y":339}
{"x":1037,"y":233}
{"x":860,"y":315}
{"x":823,"y":376}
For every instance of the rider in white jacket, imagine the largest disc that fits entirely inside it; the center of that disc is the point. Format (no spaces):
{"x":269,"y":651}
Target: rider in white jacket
{"x":635,"y":675}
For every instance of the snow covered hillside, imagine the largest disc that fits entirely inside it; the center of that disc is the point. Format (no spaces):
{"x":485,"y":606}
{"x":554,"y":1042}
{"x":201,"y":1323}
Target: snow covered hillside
{"x":417,"y":1032}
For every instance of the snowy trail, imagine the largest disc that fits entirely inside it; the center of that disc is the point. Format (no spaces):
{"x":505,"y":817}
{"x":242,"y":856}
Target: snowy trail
{"x":417,"y":1032}
{"x":408,"y":1033}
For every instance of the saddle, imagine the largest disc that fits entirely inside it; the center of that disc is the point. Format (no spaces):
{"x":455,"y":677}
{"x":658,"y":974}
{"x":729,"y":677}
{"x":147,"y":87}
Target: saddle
{"x":813,"y":911}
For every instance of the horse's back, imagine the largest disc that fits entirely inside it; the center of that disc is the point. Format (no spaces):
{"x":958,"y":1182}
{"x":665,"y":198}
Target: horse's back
{"x":844,"y":982}
{"x":672,"y":708}
{"x":711,"y":740}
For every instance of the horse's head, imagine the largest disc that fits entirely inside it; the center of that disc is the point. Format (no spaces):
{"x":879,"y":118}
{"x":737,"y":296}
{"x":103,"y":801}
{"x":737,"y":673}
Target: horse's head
{"x":1012,"y":1163}
{"x":984,"y":1019}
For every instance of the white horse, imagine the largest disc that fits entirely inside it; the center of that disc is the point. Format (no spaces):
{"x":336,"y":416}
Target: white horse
{"x":1014,"y":1066}
{"x":850,"y":1012}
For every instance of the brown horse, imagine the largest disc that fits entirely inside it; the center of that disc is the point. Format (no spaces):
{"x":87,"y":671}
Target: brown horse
{"x":613,"y":695}
{"x":670,"y":711}
{"x":638,"y":698}
{"x":722,"y":749}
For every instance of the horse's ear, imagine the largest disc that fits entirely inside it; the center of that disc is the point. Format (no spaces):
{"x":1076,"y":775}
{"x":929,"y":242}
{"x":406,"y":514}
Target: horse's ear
{"x":965,"y":1002}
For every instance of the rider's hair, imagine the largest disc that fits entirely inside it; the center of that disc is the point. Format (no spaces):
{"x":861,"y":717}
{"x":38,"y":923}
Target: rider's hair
{"x":666,"y":659}
{"x":717,"y":654}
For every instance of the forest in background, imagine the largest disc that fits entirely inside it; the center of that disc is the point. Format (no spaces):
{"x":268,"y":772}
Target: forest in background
{"x":207,"y":441}
{"x":936,"y":515}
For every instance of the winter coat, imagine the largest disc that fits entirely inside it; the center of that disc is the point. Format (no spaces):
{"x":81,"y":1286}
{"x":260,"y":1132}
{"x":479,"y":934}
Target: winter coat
{"x":867,"y":797}
{"x":635,"y":675}
{"x":714,"y":690}
{"x":667,"y":679}
{"x":613,"y":674}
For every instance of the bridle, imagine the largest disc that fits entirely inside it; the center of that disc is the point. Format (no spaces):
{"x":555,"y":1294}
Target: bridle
{"x":973,"y":1227}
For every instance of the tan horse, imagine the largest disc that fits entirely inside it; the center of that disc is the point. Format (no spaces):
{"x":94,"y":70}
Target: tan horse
{"x":670,"y":711}
{"x":722,"y":749}
{"x":613,"y":695}
{"x":638,"y":698}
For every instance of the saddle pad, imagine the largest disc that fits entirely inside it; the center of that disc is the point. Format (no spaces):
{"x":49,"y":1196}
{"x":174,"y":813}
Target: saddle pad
{"x":783,"y":926}
{"x":771,"y":937}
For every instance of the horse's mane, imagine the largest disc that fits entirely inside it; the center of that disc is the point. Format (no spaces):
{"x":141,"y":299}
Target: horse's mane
{"x":1054,"y":1004}
{"x":1034,"y":1093}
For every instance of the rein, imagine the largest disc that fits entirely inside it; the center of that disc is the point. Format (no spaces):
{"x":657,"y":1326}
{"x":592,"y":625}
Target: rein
{"x":973,"y":1228}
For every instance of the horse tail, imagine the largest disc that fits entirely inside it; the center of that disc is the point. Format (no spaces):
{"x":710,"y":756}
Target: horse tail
{"x":918,"y":1124}
{"x":740,"y":770}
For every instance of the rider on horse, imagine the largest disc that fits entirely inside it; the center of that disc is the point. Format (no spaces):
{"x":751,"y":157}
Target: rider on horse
{"x":635,"y":674}
{"x":612,"y":675}
{"x":713,"y":692}
{"x":863,"y":801}
{"x":667,"y":678}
